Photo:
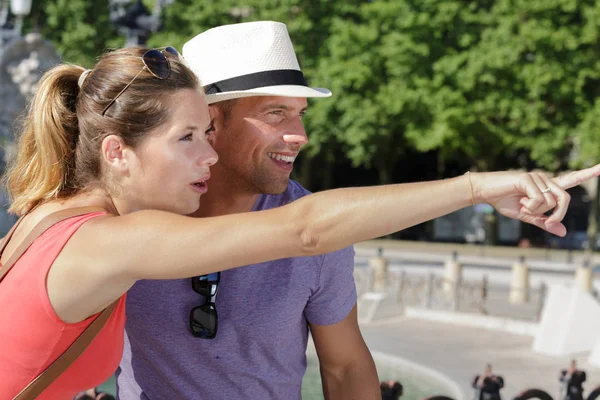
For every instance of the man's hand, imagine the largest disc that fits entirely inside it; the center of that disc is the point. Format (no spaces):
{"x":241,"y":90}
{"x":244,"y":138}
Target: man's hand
{"x":527,"y":196}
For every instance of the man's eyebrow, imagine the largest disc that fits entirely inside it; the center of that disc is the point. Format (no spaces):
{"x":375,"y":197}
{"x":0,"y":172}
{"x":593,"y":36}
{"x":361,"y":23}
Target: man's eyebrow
{"x":278,"y":106}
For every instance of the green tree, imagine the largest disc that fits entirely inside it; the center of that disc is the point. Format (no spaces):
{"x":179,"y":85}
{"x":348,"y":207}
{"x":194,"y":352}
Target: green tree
{"x":525,"y":81}
{"x":80,"y":29}
{"x":483,"y":81}
{"x":478,"y":82}
{"x":379,"y":64}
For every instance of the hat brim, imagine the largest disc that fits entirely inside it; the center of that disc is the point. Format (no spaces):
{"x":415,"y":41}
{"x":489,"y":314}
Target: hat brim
{"x":282,"y":90}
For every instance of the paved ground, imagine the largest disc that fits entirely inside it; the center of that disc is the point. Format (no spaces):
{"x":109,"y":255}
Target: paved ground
{"x":460,"y":352}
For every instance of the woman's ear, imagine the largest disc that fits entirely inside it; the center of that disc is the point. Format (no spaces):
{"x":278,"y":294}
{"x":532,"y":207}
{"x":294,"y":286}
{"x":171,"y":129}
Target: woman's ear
{"x":113,"y":153}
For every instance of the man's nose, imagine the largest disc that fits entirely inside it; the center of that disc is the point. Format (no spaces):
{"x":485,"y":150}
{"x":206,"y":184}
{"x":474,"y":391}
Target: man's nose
{"x":296,"y":133}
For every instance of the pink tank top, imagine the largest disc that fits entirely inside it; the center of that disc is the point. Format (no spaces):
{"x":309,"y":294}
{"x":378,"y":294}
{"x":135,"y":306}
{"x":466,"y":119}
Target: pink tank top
{"x":32,"y":336}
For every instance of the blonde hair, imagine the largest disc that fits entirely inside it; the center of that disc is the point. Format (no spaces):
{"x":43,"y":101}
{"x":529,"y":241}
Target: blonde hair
{"x":58,"y":148}
{"x":44,"y":156}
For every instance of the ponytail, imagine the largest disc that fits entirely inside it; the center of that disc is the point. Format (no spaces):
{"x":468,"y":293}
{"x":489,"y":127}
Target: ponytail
{"x":44,"y":156}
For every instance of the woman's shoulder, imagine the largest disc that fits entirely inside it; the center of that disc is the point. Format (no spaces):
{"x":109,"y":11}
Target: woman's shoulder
{"x":50,"y":219}
{"x":58,"y":218}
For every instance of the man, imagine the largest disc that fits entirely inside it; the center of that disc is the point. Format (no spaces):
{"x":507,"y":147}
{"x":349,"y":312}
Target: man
{"x":572,"y":382}
{"x":262,"y":313}
{"x":488,"y":385}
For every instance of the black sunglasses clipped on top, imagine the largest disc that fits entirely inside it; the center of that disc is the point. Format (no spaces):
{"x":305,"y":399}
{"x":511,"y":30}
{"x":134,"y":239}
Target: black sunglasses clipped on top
{"x":156,"y":62}
{"x":203,"y":319}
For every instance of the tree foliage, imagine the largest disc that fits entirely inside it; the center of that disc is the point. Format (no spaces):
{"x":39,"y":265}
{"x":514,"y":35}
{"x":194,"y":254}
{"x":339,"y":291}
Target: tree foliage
{"x":80,"y":29}
{"x":481,"y":79}
{"x":490,"y":83}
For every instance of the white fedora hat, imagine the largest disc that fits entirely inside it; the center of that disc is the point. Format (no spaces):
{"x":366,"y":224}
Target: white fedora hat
{"x":247,"y":59}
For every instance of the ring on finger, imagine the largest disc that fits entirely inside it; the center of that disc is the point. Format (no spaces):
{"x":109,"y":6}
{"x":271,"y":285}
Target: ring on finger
{"x":547,"y":190}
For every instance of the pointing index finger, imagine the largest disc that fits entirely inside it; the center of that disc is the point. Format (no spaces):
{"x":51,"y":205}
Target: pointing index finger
{"x":575,"y":178}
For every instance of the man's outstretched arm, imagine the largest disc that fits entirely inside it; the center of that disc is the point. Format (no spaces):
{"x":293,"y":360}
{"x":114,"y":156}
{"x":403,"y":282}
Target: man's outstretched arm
{"x":347,"y":368}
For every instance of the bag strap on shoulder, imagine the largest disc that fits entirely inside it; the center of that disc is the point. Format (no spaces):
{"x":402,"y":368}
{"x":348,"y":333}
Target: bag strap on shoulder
{"x":49,"y":375}
{"x":37,"y":230}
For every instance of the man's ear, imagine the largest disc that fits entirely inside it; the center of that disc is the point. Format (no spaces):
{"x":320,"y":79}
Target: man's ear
{"x":114,"y":153}
{"x":218,"y":123}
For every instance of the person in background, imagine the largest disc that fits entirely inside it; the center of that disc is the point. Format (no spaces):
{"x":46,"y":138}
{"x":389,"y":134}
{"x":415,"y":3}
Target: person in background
{"x":391,"y":390}
{"x":94,"y":394}
{"x":571,"y":380}
{"x":487,"y":386}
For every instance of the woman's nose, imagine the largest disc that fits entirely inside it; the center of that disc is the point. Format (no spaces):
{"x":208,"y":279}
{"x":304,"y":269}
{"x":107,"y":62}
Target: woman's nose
{"x":208,"y":156}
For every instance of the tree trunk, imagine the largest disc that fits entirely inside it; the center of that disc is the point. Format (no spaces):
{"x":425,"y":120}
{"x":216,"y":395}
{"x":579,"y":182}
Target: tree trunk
{"x":303,"y":174}
{"x":327,"y":180}
{"x":385,"y":176}
{"x":441,"y":165}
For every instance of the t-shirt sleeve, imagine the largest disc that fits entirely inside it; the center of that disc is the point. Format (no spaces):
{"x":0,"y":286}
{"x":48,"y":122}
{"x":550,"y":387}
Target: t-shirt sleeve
{"x":335,"y":295}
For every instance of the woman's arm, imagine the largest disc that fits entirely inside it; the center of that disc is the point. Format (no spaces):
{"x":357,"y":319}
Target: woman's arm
{"x":157,"y":245}
{"x":118,"y":251}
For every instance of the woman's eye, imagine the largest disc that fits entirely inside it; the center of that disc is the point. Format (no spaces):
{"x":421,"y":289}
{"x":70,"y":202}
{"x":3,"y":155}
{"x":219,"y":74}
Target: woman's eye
{"x":189,"y":136}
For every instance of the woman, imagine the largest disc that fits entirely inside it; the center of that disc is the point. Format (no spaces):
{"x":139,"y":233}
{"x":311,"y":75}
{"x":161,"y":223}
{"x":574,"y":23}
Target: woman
{"x":130,"y":138}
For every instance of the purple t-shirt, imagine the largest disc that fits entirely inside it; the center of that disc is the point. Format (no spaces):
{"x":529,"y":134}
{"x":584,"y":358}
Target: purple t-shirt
{"x":260,"y":348}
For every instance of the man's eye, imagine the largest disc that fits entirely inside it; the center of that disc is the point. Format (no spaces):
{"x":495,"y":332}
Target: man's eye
{"x":210,"y":129}
{"x":276,"y":112}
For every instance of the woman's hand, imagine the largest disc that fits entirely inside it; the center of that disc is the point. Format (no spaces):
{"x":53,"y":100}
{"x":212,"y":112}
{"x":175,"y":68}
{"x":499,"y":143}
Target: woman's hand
{"x":527,"y":196}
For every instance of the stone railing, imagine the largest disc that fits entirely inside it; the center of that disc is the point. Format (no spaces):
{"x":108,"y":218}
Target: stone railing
{"x":436,"y":292}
